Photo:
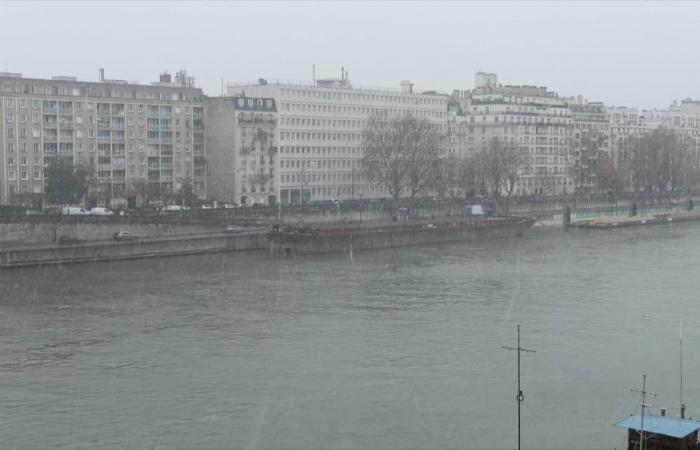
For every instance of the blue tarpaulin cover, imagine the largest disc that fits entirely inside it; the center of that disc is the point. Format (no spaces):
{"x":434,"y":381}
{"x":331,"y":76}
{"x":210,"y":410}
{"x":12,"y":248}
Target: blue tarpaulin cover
{"x":667,"y":426}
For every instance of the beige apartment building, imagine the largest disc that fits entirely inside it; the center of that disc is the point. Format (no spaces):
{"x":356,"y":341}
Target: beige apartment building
{"x":243,"y":151}
{"x":141,"y":143}
{"x":320,"y":132}
{"x":531,"y":118}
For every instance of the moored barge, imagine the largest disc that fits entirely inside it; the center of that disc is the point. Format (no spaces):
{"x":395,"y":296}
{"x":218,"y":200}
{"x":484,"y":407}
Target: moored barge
{"x":298,"y":239}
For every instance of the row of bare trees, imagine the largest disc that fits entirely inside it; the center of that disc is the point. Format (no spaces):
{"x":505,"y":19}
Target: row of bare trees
{"x":494,"y":171}
{"x":663,"y":160}
{"x":404,"y":155}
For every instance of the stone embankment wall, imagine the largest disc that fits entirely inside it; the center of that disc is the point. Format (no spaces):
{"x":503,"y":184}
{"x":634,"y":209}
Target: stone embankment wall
{"x":22,"y":233}
{"x":143,"y":248}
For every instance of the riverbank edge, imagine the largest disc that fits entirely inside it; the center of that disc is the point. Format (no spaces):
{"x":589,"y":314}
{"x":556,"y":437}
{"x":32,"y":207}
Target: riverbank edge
{"x":140,"y":249}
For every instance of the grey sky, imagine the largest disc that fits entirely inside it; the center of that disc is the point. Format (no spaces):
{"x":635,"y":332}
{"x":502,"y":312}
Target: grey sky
{"x":643,"y":54}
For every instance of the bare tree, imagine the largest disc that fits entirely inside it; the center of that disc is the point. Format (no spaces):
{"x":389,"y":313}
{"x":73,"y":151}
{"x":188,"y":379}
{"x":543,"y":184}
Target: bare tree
{"x":661,"y":161}
{"x":383,"y":140}
{"x":449,"y":179}
{"x":512,"y":162}
{"x":401,"y":154}
{"x":589,"y":152}
{"x":491,"y":169}
{"x":609,"y":177}
{"x":471,"y":178}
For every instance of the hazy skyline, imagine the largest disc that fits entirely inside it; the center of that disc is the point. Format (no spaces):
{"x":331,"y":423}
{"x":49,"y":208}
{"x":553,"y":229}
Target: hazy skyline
{"x":624,"y":53}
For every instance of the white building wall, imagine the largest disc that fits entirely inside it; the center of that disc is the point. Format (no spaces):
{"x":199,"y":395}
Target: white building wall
{"x":320,"y":134}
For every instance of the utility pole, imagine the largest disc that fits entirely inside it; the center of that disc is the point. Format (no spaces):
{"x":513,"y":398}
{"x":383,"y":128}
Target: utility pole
{"x":520,"y":396}
{"x":644,"y":392}
{"x":682,"y":405}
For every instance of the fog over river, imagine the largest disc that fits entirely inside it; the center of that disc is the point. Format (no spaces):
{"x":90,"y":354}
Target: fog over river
{"x":392,"y":349}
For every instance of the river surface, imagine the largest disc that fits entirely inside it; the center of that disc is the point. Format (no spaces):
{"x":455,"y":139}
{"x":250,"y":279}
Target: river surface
{"x":392,"y":349}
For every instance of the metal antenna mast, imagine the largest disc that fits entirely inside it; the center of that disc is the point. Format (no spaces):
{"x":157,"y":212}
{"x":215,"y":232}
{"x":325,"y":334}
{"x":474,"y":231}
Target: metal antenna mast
{"x":644,"y":392}
{"x":520,"y":396}
{"x":681,"y":342}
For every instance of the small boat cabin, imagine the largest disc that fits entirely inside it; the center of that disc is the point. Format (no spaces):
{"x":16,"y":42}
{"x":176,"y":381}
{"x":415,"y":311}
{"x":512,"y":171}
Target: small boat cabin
{"x":661,"y":433}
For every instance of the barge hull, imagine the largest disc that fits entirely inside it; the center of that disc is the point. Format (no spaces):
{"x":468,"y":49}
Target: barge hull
{"x":362,"y":239}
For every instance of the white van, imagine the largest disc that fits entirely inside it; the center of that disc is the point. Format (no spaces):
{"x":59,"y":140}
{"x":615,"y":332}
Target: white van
{"x":74,"y":211}
{"x":101,"y":212}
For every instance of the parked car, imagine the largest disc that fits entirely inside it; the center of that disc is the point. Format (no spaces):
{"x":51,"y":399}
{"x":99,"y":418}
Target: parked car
{"x":101,"y":212}
{"x":74,"y":211}
{"x":206,"y":206}
{"x":171,"y":208}
{"x":234,"y":229}
{"x":124,"y":236}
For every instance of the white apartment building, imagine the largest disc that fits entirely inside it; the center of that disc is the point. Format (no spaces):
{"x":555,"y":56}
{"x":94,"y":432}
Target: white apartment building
{"x":533,"y":119}
{"x":140,"y":142}
{"x":320,"y":132}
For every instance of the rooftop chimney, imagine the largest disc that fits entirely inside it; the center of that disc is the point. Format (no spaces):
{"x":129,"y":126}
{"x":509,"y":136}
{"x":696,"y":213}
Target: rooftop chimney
{"x":682,"y":410}
{"x":406,"y":87}
{"x":165,"y":77}
{"x":102,"y":74}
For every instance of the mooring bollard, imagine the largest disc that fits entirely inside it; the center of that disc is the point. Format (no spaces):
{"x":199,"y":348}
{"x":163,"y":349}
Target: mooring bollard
{"x":566,"y":216}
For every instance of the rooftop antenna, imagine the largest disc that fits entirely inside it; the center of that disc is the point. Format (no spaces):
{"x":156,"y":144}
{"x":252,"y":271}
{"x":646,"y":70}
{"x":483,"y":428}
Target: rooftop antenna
{"x":644,"y":392}
{"x":313,"y":74}
{"x":520,"y":396}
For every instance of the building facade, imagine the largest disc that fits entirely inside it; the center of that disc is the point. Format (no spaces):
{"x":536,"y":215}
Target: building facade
{"x":320,"y":132}
{"x":139,"y":143}
{"x":591,"y":143}
{"x":534,"y":120}
{"x":242,"y":150}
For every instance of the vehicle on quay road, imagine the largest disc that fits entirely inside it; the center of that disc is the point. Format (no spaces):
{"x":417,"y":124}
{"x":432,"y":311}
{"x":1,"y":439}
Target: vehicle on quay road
{"x":101,"y":212}
{"x":124,"y":236}
{"x":74,"y":211}
{"x":175,"y":208}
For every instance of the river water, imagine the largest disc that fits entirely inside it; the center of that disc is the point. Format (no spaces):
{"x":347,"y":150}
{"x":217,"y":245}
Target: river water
{"x":392,"y":349}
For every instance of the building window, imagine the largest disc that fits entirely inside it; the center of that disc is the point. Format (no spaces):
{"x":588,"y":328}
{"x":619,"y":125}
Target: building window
{"x":24,"y":175}
{"x":37,"y":175}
